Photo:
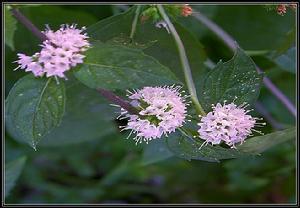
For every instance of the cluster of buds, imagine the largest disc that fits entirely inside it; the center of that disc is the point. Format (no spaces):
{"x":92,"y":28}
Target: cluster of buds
{"x":281,"y":9}
{"x":60,"y":52}
{"x":172,"y":10}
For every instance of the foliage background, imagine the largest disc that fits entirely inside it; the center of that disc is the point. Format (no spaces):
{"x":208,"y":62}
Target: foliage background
{"x":110,"y":169}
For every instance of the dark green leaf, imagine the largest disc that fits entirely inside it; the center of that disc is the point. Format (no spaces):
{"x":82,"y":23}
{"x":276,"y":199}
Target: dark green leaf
{"x":287,"y":60}
{"x":62,"y":16}
{"x":253,"y":27}
{"x":188,"y":148}
{"x":157,"y":42}
{"x":157,"y":150}
{"x":117,"y":67}
{"x":111,"y":27}
{"x":259,"y":144}
{"x":34,"y":107}
{"x":236,"y":78}
{"x":88,"y":116}
{"x":10,"y":28}
{"x":13,"y":170}
{"x":165,"y":51}
{"x":288,"y":42}
{"x":124,"y":40}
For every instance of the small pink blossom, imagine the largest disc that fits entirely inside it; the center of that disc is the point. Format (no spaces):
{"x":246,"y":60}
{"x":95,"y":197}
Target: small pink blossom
{"x":62,"y":51}
{"x":281,"y":9}
{"x":35,"y":68}
{"x":161,"y":111}
{"x":186,"y":10}
{"x":30,"y":64}
{"x":24,"y":60}
{"x":228,"y":123}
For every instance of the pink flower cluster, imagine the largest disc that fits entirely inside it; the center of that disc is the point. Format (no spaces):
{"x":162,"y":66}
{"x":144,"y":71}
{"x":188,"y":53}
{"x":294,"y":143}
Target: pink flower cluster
{"x":282,"y":8}
{"x":62,"y":50}
{"x":186,"y":10}
{"x":161,"y":111}
{"x":228,"y":123}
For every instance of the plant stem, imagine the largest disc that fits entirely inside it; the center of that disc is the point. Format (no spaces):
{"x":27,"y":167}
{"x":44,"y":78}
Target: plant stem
{"x":232,"y":44}
{"x":135,"y":21}
{"x":184,"y":61}
{"x":117,"y":100}
{"x":105,"y":93}
{"x":26,"y":22}
{"x":260,"y":108}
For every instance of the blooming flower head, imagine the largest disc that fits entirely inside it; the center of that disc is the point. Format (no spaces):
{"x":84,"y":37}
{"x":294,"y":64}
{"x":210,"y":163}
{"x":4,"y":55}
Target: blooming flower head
{"x":160,"y":111}
{"x":228,"y":123}
{"x":186,"y":10}
{"x":62,"y":50}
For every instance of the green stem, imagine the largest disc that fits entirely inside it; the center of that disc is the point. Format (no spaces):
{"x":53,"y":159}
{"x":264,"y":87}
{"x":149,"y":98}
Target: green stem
{"x":184,"y":61}
{"x":135,"y":20}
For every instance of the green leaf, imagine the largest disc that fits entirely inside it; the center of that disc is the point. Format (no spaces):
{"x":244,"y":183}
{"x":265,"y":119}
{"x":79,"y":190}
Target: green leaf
{"x":88,"y":116}
{"x":13,"y":170}
{"x":236,"y":78}
{"x":287,"y":60}
{"x":124,"y":40}
{"x":34,"y":107}
{"x":165,"y":51}
{"x":62,"y":16}
{"x":111,"y":27}
{"x":157,"y":150}
{"x":259,"y":144}
{"x":117,"y":67}
{"x":10,"y":28}
{"x":188,"y":148}
{"x":289,"y":41}
{"x":253,"y":27}
{"x":154,"y":42}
